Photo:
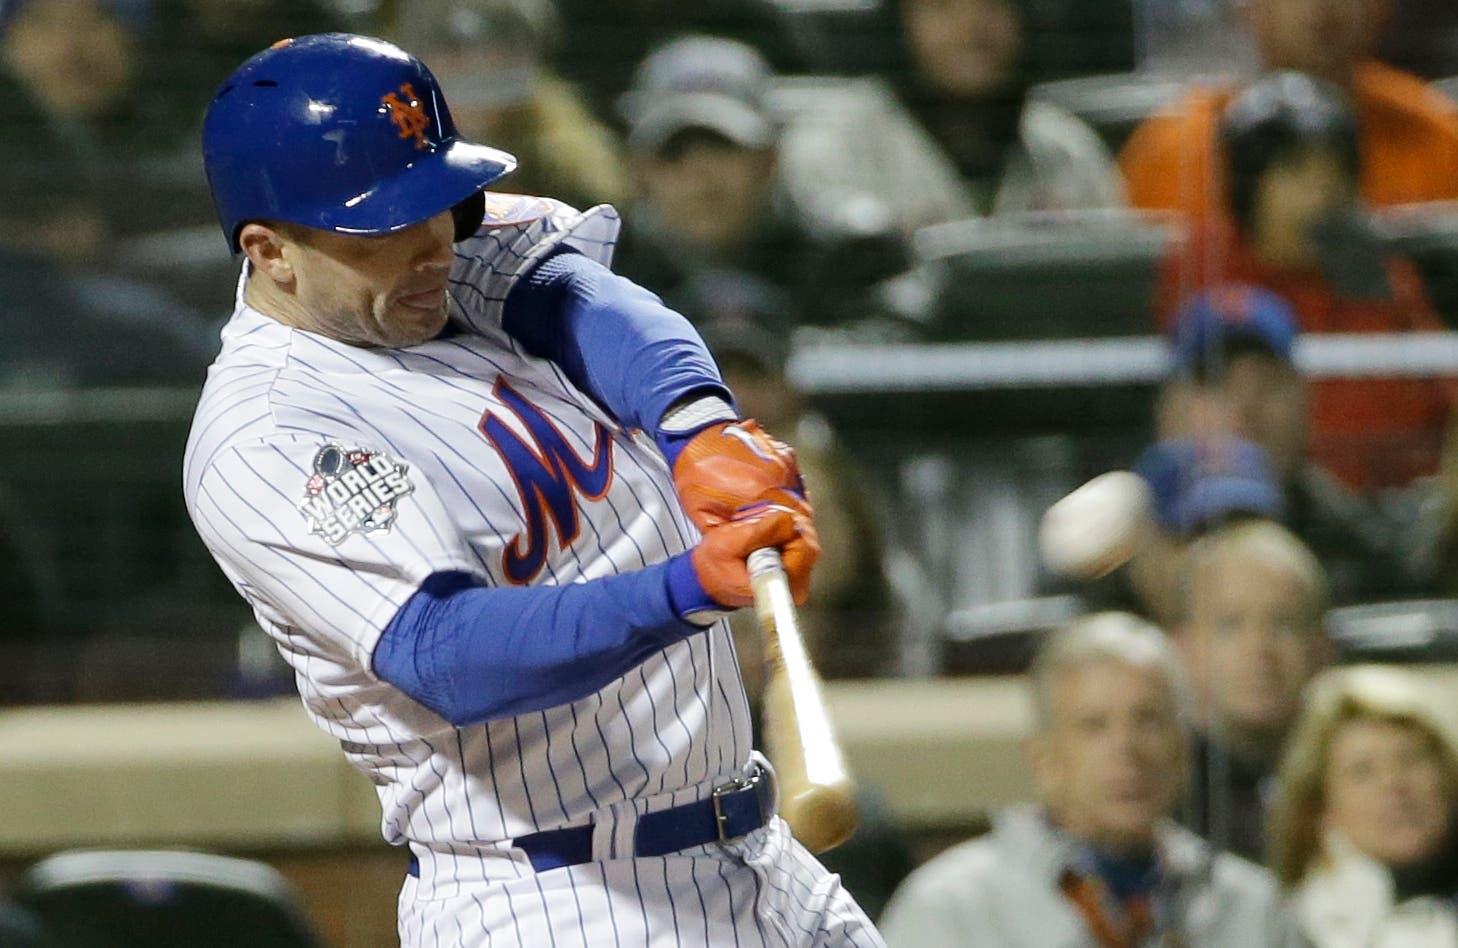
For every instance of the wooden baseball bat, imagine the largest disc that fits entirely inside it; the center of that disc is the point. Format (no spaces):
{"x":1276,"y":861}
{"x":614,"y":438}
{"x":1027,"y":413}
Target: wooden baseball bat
{"x":817,"y":793}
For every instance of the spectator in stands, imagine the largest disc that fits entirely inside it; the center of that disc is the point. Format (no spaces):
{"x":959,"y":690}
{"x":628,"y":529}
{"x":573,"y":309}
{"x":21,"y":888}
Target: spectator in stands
{"x":492,"y":59}
{"x":99,"y":138}
{"x":1409,"y":131}
{"x":1296,"y":224}
{"x":86,"y":143}
{"x":704,"y":147}
{"x":66,"y":66}
{"x":1364,"y":830}
{"x":969,"y":87}
{"x":1251,"y":634}
{"x":1234,"y":375}
{"x":604,"y":40}
{"x":1097,"y":862}
{"x":1197,"y":486}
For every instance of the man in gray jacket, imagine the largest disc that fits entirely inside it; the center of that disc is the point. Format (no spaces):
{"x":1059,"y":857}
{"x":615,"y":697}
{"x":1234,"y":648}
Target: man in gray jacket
{"x":1098,"y":864}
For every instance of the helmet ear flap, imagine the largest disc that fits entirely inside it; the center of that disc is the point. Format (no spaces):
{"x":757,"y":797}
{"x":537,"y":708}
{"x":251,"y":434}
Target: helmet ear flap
{"x":468,"y":215}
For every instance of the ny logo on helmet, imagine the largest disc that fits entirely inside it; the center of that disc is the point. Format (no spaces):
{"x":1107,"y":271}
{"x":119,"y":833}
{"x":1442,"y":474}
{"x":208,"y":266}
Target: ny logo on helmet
{"x":406,"y":114}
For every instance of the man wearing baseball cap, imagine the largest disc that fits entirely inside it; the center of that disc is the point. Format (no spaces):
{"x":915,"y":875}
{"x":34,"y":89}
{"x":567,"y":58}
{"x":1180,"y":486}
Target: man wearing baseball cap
{"x":704,"y":142}
{"x":1234,"y":373}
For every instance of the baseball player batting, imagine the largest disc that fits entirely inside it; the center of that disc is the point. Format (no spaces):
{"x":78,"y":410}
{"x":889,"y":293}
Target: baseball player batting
{"x":491,"y":501}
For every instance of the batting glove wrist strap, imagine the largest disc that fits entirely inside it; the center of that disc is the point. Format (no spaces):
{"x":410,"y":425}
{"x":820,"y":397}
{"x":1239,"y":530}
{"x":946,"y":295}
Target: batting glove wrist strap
{"x":686,"y":419}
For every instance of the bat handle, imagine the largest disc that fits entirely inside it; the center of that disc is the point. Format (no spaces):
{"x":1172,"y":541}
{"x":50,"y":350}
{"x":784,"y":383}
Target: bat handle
{"x":772,"y":599}
{"x":765,"y":561}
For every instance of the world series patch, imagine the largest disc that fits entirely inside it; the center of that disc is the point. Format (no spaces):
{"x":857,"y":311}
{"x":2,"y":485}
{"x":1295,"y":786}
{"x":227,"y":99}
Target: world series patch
{"x":353,"y":490}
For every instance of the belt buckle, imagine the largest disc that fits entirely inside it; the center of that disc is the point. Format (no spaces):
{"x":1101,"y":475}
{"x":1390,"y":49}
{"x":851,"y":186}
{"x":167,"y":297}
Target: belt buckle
{"x":724,"y":789}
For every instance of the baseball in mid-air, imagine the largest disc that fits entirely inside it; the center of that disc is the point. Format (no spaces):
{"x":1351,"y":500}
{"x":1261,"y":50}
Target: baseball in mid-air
{"x":1097,"y":528}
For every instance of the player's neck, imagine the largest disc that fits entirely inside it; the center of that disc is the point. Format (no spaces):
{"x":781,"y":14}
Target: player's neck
{"x":268,"y":298}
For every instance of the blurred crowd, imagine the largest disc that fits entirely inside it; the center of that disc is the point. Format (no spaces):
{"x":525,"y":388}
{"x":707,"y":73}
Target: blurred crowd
{"x":1270,"y":187}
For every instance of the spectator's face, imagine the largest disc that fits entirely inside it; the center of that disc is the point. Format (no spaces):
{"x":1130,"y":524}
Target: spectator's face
{"x":486,"y":86}
{"x":1291,"y":198}
{"x":1190,"y":409}
{"x":1251,"y":643}
{"x":387,"y":290}
{"x":1111,"y":762}
{"x":1324,"y":38}
{"x":1268,"y":406}
{"x":72,"y":55}
{"x":707,"y":190}
{"x":1384,"y":791}
{"x":964,"y":47}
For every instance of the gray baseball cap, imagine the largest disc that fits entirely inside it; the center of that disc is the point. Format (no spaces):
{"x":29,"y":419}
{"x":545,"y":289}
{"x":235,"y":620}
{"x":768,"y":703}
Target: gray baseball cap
{"x":700,"y":82}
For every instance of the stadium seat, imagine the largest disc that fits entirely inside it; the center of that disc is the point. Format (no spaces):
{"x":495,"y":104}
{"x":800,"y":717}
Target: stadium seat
{"x":161,"y":900}
{"x":1047,"y":276}
{"x":1113,"y":105}
{"x":1409,"y":631}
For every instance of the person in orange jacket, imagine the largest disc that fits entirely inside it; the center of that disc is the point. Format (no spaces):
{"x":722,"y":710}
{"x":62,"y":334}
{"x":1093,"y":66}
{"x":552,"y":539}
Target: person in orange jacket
{"x":1292,"y":224}
{"x":1409,"y":130}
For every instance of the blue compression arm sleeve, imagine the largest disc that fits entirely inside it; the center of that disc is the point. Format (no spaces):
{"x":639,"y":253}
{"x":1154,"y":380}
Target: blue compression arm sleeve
{"x":614,"y":340}
{"x":472,"y":653}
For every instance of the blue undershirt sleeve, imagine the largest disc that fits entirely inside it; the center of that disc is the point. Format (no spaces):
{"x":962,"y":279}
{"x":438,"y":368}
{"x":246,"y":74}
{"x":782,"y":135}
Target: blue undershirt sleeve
{"x":614,"y":340}
{"x":473,"y":653}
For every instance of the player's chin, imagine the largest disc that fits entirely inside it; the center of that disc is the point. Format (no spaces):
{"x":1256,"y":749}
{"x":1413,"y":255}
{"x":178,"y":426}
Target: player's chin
{"x":406,"y":324}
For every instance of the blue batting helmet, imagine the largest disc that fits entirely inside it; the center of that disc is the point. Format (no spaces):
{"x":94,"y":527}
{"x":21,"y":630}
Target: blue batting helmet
{"x":342,"y":133}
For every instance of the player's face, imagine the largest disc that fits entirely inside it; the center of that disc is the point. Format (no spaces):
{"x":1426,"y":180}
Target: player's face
{"x":1111,"y":762}
{"x":386,"y":290}
{"x":964,"y":47}
{"x":1252,"y":643}
{"x":1385,"y":792}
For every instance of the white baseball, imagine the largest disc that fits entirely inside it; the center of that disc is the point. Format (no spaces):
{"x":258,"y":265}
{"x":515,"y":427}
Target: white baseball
{"x":1097,"y":528}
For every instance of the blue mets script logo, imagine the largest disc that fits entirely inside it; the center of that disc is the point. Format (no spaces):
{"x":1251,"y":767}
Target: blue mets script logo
{"x":547,"y":475}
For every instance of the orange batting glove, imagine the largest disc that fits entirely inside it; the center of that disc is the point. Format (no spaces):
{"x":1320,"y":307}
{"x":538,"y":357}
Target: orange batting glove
{"x":730,"y":465}
{"x":719,"y":560}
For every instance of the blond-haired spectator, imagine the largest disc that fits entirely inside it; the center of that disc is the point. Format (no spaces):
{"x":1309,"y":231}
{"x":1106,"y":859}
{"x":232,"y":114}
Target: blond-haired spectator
{"x":1363,"y":833}
{"x":1097,"y":862}
{"x":1252,"y":637}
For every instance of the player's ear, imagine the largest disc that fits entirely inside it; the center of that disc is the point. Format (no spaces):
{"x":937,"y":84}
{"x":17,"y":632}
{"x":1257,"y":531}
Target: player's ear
{"x":264,"y":246}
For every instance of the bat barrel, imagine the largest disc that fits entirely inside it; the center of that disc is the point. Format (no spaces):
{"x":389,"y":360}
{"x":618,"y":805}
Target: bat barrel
{"x":817,"y":793}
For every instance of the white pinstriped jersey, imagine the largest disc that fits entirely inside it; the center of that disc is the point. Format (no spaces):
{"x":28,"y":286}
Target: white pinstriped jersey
{"x":330,"y":480}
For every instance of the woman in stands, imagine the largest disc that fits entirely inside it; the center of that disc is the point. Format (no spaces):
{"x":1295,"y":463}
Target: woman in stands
{"x":1364,"y":828}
